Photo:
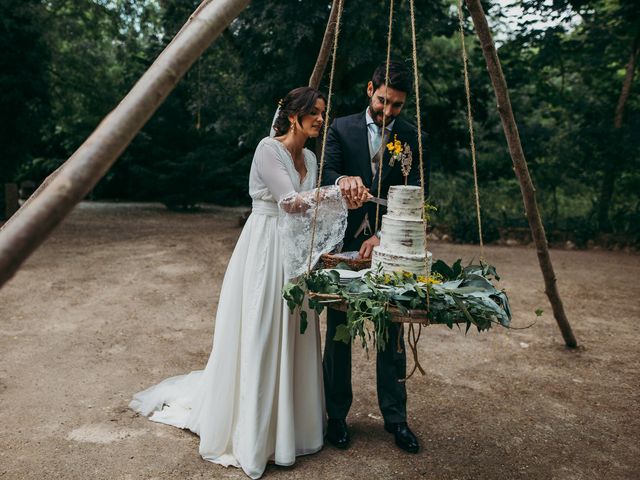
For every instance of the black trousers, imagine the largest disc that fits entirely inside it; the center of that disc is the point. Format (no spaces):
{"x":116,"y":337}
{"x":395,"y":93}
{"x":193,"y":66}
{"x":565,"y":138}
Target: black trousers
{"x":391,"y":366}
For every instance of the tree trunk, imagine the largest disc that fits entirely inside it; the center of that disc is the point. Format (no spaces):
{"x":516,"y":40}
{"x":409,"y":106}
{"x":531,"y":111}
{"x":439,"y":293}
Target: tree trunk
{"x":521,"y":168}
{"x":20,"y":237}
{"x":627,"y":82}
{"x":610,"y":174}
{"x":606,"y":194}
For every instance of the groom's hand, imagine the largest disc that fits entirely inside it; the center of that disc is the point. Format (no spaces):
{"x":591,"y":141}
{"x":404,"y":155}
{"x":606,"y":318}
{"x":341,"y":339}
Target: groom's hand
{"x":367,"y":246}
{"x":353,"y":191}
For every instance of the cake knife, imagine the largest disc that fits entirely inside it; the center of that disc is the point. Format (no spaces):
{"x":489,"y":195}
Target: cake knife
{"x":379,"y":201}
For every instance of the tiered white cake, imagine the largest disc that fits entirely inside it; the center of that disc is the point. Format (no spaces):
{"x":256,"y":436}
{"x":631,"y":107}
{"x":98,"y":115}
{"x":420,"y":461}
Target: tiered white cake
{"x":402,"y":246}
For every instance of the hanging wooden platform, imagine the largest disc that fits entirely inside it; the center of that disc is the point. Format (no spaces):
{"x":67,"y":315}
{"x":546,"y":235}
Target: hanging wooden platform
{"x":397,"y":316}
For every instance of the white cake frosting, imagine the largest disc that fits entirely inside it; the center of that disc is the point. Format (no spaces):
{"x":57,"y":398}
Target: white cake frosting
{"x":404,"y":201}
{"x":402,"y":245}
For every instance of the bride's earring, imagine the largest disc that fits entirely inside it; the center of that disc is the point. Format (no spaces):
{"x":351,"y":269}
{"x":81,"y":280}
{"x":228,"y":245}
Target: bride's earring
{"x":293,"y":127}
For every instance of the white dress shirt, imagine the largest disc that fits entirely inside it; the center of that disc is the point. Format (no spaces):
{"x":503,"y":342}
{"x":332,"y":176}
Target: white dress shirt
{"x":374,"y":131}
{"x":374,"y":138}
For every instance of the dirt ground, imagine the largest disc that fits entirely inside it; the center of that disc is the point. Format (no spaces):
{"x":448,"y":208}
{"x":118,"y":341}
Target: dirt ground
{"x":123,"y":296}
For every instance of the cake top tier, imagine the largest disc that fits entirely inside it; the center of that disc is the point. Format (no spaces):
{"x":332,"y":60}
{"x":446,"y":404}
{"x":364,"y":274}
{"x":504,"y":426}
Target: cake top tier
{"x":405,"y":201}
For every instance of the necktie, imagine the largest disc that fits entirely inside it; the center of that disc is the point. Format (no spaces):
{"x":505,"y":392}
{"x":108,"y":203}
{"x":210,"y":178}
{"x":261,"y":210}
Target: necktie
{"x":376,"y":141}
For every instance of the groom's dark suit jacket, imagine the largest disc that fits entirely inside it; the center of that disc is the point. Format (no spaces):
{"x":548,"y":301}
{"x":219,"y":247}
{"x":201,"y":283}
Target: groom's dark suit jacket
{"x":347,"y":153}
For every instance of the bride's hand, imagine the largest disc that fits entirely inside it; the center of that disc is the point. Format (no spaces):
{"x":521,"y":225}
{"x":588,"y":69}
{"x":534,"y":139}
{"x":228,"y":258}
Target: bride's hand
{"x":358,"y":202}
{"x":353,"y":191}
{"x":295,"y":204}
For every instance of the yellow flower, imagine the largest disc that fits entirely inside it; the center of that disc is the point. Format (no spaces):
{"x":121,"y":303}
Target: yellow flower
{"x":395,"y":147}
{"x":432,"y":280}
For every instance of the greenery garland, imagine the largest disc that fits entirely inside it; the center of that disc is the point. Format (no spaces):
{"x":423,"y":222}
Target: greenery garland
{"x":450,"y":295}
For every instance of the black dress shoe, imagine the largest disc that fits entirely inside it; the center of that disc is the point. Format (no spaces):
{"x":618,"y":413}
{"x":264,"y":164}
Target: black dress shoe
{"x":337,"y":433}
{"x":405,"y":438}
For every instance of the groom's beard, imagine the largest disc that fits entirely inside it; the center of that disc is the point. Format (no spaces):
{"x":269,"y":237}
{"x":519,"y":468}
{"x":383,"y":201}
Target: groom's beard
{"x":377,"y":115}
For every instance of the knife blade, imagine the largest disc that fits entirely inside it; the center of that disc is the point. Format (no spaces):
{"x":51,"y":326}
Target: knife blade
{"x":379,"y":201}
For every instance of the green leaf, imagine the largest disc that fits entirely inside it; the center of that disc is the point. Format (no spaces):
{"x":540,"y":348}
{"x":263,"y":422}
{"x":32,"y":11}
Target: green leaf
{"x":457,"y":268}
{"x":539,"y":312}
{"x":443,"y":269}
{"x":294,"y":295}
{"x":343,"y":266}
{"x":334,"y":276}
{"x":342,"y":334}
{"x":303,"y":322}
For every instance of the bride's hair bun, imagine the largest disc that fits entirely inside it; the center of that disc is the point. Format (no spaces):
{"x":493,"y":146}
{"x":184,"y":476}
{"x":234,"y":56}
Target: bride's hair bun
{"x":298,"y":102}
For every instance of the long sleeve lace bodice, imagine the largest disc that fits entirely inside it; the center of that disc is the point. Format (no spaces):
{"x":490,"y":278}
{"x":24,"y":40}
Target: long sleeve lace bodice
{"x":275,"y":180}
{"x":273,"y":175}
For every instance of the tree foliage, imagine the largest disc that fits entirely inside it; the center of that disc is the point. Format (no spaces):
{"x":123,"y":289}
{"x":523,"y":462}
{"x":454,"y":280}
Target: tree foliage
{"x":565,"y":77}
{"x":24,"y":83}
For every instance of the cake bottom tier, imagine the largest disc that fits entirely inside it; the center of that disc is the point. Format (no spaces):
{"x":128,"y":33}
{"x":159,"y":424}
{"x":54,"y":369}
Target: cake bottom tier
{"x":396,"y":262}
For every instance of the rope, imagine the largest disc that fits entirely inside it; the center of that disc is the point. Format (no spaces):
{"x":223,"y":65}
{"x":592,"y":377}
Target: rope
{"x":412,"y":340}
{"x":384,"y":108}
{"x":324,"y":135}
{"x":419,"y":127}
{"x":471,"y":134}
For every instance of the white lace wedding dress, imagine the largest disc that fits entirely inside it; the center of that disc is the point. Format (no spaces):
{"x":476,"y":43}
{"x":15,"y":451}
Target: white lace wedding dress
{"x":260,"y":397}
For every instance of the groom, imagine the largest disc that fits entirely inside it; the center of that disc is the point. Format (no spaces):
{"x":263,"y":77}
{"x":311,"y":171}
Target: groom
{"x":352,"y":155}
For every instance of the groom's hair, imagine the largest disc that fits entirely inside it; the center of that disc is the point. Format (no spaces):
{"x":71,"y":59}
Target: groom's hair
{"x":299,"y":102}
{"x":399,"y":76}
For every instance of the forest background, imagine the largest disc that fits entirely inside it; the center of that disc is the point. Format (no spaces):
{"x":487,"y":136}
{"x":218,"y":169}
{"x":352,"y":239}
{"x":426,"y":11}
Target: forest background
{"x":64,"y":64}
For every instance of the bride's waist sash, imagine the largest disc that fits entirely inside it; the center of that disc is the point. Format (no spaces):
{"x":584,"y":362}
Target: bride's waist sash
{"x":264,"y":207}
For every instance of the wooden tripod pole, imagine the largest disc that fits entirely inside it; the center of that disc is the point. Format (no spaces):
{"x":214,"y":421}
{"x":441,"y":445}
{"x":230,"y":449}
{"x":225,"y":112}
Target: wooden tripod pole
{"x":325,"y":48}
{"x":521,"y":169}
{"x":25,"y":232}
{"x":322,"y":61}
{"x":55,"y":173}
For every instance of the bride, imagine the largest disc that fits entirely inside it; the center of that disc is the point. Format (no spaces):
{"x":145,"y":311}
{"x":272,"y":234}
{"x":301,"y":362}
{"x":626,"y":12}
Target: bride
{"x":260,"y":397}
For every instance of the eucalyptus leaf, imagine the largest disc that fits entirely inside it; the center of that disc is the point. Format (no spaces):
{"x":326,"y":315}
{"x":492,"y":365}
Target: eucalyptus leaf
{"x":342,"y":334}
{"x":335,"y":276}
{"x":466,"y":295}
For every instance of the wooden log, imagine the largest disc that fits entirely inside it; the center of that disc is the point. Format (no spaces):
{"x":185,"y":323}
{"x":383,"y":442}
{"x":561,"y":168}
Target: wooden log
{"x":336,"y":302}
{"x":325,"y":48}
{"x":21,"y":237}
{"x":521,"y":169}
{"x":53,"y":175}
{"x":322,"y":61}
{"x":33,"y":196}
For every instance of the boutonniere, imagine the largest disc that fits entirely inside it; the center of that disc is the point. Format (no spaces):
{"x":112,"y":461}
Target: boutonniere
{"x":400,"y":153}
